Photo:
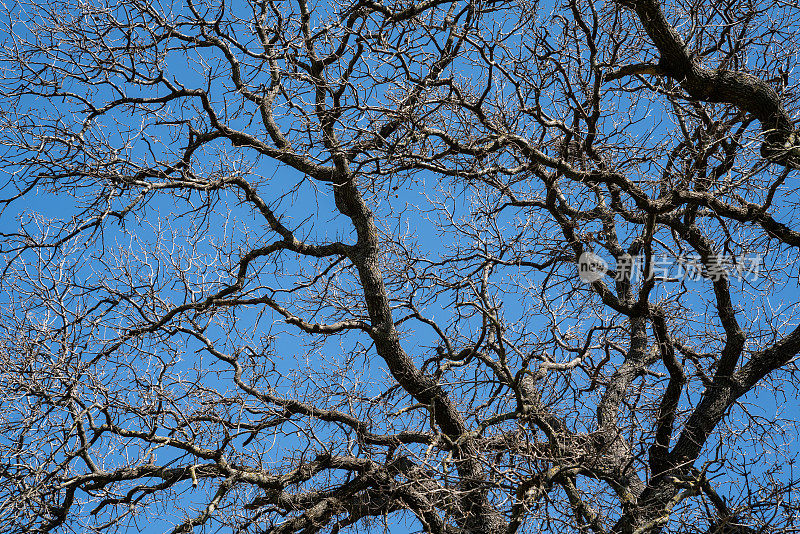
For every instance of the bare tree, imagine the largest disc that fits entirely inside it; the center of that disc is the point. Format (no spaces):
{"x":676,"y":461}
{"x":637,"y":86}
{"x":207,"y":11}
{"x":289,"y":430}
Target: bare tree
{"x":313,"y":266}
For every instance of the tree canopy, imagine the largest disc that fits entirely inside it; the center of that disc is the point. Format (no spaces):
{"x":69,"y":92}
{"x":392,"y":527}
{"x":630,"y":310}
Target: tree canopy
{"x":324,"y":266}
